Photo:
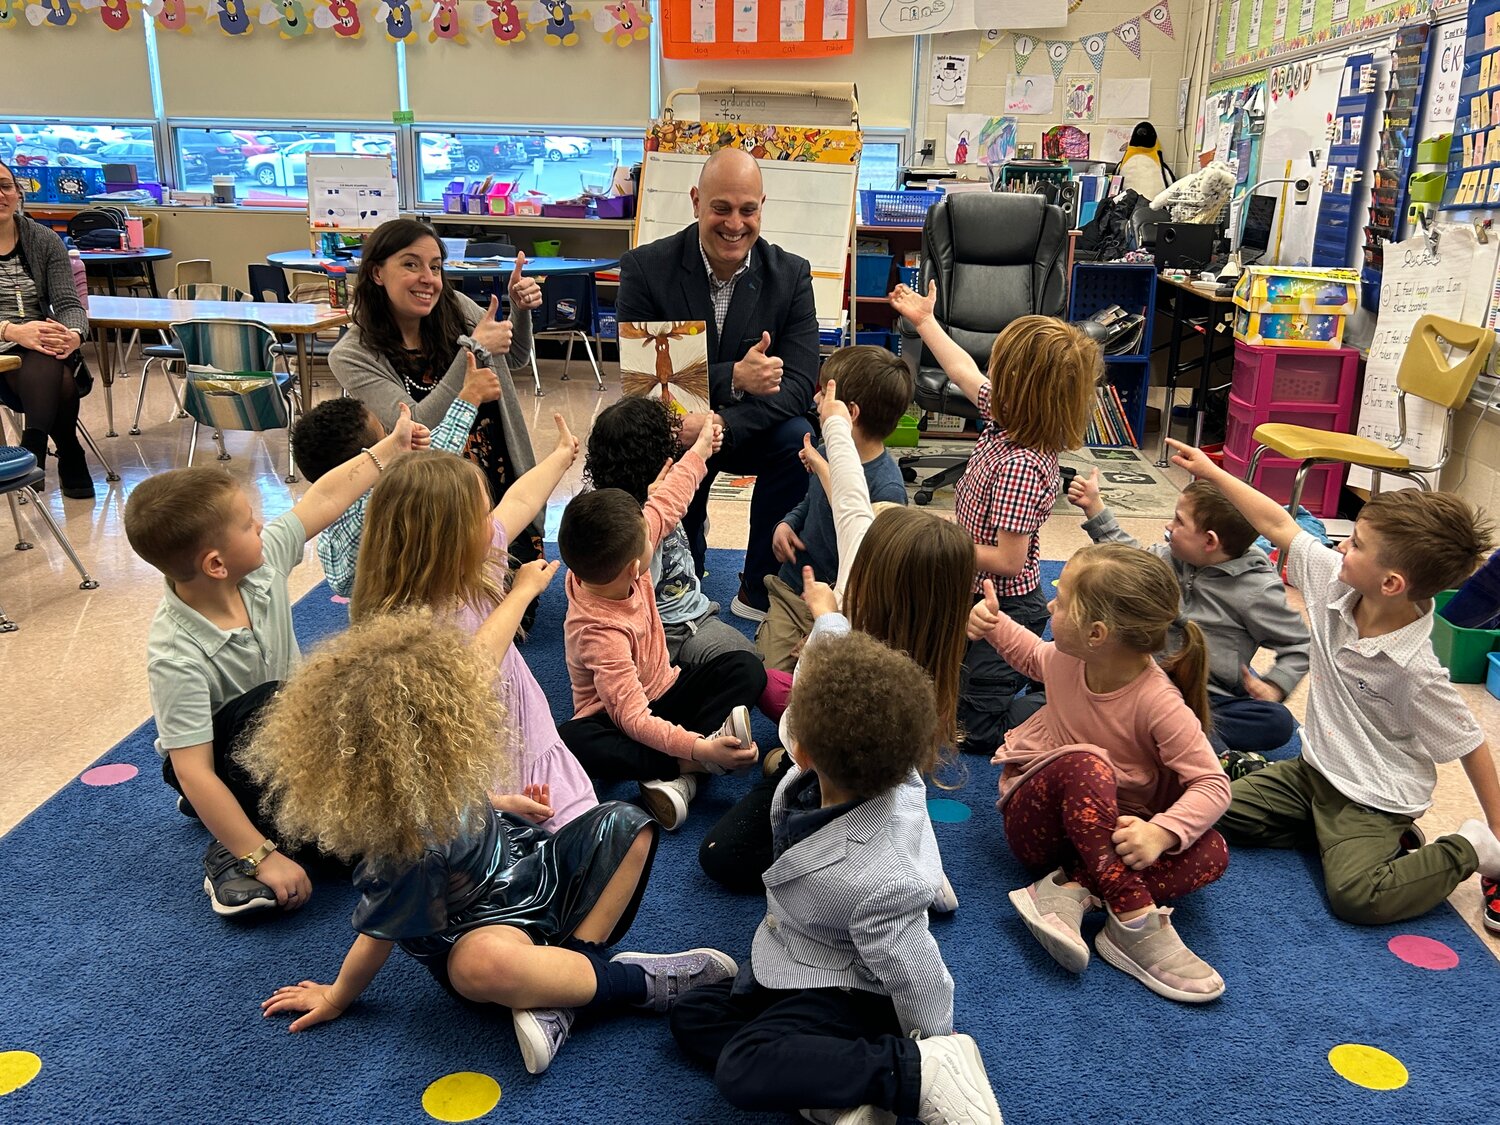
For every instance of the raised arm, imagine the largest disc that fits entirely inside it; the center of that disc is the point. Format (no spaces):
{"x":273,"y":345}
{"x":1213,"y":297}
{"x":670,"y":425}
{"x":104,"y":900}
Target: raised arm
{"x":340,"y":487}
{"x":958,"y":364}
{"x":324,"y":1002}
{"x":498,"y":630}
{"x":848,"y":491}
{"x":528,"y":496}
{"x":1265,"y":515}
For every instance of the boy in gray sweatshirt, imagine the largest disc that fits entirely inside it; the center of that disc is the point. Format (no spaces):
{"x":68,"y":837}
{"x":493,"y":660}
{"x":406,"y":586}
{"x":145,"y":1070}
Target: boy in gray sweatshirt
{"x":1233,"y":593}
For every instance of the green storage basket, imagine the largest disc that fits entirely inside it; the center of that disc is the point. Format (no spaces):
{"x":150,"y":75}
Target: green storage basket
{"x":905,"y":435}
{"x":547,"y":248}
{"x":1434,"y":150}
{"x":1464,"y":652}
{"x":1427,"y":187}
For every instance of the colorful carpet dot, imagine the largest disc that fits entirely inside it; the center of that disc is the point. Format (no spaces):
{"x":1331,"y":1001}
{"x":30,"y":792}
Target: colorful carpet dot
{"x":462,"y":1096}
{"x":1423,"y":952}
{"x":16,"y":1069}
{"x":1367,"y":1066}
{"x":339,"y":599}
{"x":946,"y":811}
{"x":111,"y":774}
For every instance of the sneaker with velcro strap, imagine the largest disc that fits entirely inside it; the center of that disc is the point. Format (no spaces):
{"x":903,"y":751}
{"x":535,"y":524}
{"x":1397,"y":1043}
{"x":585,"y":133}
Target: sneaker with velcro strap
{"x":230,"y":890}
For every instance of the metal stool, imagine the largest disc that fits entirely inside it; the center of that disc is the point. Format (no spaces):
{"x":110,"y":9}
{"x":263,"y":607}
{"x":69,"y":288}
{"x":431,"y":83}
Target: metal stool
{"x":18,"y":470}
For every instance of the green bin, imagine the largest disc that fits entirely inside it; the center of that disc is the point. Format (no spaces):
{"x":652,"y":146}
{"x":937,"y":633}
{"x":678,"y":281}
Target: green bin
{"x":1464,"y":652}
{"x":547,"y":248}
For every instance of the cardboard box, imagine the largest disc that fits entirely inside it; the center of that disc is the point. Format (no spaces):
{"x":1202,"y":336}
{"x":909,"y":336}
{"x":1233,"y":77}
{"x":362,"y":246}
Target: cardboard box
{"x":1289,"y":330}
{"x":1294,"y":308}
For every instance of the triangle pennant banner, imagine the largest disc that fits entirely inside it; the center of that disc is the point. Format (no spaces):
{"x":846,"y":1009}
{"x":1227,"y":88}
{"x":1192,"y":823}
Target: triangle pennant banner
{"x":1058,"y":51}
{"x":987,"y":40}
{"x":1094,"y":47}
{"x":1160,"y":17}
{"x":1130,"y":34}
{"x":1024,"y":44}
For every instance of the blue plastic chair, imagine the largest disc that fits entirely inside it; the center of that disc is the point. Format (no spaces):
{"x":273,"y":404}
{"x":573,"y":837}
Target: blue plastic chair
{"x":18,"y":470}
{"x":230,"y":384}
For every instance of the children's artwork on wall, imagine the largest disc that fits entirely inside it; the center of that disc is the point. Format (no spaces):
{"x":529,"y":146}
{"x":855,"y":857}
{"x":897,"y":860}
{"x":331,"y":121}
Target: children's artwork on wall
{"x":233,"y":19}
{"x":172,"y":15}
{"x":1080,"y":97}
{"x":974,"y":138}
{"x":503,"y":20}
{"x":341,"y":16}
{"x":10,"y":14}
{"x":54,"y":13}
{"x":396,"y":14}
{"x":950,"y":79}
{"x":1115,"y":139}
{"x":446,"y":22}
{"x":764,"y":142}
{"x":623,"y":22}
{"x":557,"y":17}
{"x":1065,"y":142}
{"x":289,"y":16}
{"x":113,"y":14}
{"x":754,"y":29}
{"x":666,"y":360}
{"x":1030,"y":94}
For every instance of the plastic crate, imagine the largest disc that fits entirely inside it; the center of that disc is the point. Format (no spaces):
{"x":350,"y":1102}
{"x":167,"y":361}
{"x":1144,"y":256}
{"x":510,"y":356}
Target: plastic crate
{"x":547,"y":247}
{"x":895,"y":208}
{"x":1263,"y":376}
{"x":614,"y":206}
{"x":565,"y":210}
{"x":1492,"y":678}
{"x":872,"y":275}
{"x":606,"y":324}
{"x":906,"y":434}
{"x":1320,"y":495}
{"x":1239,"y":427}
{"x":877,"y":337}
{"x":1464,"y":652}
{"x":1098,"y":285}
{"x":910,"y":275}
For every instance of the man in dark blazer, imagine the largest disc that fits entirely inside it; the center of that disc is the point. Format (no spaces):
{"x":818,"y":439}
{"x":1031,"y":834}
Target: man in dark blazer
{"x":757,"y":301}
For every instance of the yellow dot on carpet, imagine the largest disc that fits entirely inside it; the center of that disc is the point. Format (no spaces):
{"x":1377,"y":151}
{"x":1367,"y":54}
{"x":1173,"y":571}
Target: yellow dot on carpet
{"x":16,"y":1069}
{"x":462,"y":1096}
{"x":1367,"y":1066}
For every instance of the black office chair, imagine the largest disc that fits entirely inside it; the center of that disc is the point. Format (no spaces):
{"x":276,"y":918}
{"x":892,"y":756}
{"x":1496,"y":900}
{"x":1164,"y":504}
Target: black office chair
{"x":996,"y":257}
{"x":269,"y":284}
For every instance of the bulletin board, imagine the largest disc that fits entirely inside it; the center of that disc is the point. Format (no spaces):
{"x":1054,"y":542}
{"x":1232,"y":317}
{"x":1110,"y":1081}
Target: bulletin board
{"x":756,"y":29}
{"x":1474,"y":157}
{"x":1253,"y":31}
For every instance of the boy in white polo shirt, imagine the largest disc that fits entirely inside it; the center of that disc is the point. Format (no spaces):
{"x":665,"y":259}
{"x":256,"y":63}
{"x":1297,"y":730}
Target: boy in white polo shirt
{"x":223,"y":630}
{"x":1381,"y":712}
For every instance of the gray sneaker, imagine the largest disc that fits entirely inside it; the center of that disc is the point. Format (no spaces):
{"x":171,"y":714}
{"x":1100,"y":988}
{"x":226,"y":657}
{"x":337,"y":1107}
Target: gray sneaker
{"x":229,"y":889}
{"x":668,"y":801}
{"x":737,"y":725}
{"x":859,"y":1115}
{"x":1054,"y":915}
{"x":669,"y":975}
{"x":1157,"y":957}
{"x":541,"y":1032}
{"x":955,"y":1087}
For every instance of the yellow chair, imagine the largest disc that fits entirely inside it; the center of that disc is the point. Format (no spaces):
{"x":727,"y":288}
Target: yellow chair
{"x":1424,"y":372}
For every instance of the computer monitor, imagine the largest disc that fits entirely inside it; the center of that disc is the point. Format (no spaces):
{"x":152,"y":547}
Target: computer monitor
{"x":1255,"y":232}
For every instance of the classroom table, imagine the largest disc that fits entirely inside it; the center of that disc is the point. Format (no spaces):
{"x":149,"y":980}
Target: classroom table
{"x":300,"y":321}
{"x":1185,"y":302}
{"x":113,"y":259}
{"x":455,"y":267}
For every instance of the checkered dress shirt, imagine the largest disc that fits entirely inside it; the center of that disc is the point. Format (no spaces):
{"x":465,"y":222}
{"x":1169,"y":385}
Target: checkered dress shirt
{"x":1005,"y":488}
{"x":721,"y":292}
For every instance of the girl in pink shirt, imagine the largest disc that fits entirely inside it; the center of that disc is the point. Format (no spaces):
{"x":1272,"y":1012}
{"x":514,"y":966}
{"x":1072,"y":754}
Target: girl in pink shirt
{"x":1112,"y":788}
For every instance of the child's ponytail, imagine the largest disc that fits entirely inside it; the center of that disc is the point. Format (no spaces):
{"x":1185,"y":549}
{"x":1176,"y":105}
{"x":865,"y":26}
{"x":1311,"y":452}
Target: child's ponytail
{"x":1188,"y":668}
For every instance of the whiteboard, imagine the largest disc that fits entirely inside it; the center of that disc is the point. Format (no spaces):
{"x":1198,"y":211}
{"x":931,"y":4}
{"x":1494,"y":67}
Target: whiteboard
{"x":1297,"y":125}
{"x":350,"y":193}
{"x":809,"y":211}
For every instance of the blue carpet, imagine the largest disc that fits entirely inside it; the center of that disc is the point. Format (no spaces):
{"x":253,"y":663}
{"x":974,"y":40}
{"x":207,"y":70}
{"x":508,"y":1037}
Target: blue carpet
{"x":144,"y":1007}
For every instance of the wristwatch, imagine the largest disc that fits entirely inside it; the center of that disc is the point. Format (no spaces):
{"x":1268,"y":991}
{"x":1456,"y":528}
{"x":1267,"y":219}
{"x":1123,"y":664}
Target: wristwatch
{"x":250,"y":864}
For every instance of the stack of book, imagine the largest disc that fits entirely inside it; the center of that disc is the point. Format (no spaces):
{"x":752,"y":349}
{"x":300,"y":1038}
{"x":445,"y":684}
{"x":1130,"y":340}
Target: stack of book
{"x":1109,"y":425}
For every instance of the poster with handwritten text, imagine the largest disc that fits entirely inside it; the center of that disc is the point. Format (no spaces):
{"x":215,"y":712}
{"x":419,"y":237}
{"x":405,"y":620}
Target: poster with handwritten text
{"x":756,"y":29}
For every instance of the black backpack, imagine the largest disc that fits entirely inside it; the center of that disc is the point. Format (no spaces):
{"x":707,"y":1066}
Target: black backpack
{"x":1108,"y":235}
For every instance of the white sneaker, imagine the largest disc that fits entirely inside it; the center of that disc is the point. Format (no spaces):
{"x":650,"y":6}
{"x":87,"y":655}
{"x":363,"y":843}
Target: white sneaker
{"x":1486,"y":846}
{"x":859,"y":1115}
{"x":947,"y":898}
{"x":667,"y":801}
{"x":737,"y":725}
{"x":541,"y":1032}
{"x":955,"y":1088}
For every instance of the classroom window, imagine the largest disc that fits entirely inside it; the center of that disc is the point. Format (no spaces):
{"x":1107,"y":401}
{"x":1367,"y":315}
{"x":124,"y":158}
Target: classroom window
{"x":880,"y":165}
{"x":561,"y":165}
{"x":77,"y":144}
{"x":266,"y":160}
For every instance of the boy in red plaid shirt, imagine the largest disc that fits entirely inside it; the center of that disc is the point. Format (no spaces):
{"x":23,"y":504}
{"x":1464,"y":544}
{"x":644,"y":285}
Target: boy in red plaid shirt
{"x":1038,"y":397}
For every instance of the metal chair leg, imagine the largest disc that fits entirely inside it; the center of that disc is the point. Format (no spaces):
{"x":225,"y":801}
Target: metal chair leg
{"x":88,"y":439}
{"x":6,"y":624}
{"x":45,"y":512}
{"x":588,"y":351}
{"x":193,"y":443}
{"x":219,"y":438}
{"x":140,"y":398}
{"x":536,"y":372}
{"x":22,"y":543}
{"x":568,"y":357}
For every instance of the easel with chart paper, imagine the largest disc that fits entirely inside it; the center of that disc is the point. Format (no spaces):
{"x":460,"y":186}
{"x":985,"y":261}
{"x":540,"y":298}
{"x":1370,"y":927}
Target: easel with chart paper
{"x":348,"y":195}
{"x":810,"y":169}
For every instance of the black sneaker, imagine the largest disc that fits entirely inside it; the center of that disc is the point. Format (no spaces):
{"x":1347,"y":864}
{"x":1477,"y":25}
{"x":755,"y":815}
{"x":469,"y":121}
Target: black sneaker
{"x":184,"y":806}
{"x":1238,"y":763}
{"x":747,"y":607}
{"x":1490,"y":889}
{"x":229,"y":889}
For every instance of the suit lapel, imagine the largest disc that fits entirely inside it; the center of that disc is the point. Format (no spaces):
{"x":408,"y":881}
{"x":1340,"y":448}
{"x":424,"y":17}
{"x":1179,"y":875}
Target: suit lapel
{"x":826,"y":846}
{"x":694,"y":283}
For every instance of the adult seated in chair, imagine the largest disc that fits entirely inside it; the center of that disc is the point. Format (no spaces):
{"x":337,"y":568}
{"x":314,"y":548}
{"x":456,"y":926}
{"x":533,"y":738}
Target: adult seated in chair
{"x":44,"y":326}
{"x":757,"y":301}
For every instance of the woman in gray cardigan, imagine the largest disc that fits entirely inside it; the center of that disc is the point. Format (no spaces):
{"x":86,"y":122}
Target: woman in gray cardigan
{"x":42,"y":321}
{"x":410,"y":341}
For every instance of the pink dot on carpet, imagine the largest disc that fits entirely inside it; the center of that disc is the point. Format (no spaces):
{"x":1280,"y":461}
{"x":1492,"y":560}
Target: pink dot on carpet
{"x":108,"y":775}
{"x":1423,"y":952}
{"x":339,"y":599}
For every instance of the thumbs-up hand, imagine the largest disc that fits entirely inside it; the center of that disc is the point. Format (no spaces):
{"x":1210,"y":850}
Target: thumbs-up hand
{"x":481,"y":384}
{"x":490,"y":334}
{"x":986,"y":613}
{"x":830,"y":406}
{"x":525,"y":292}
{"x":1083,"y":493}
{"x":567,"y":445}
{"x":758,"y":373}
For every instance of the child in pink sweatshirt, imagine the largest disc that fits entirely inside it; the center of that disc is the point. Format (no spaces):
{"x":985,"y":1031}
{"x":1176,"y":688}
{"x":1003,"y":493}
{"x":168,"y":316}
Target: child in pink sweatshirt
{"x":1113,"y":787}
{"x":635,"y":716}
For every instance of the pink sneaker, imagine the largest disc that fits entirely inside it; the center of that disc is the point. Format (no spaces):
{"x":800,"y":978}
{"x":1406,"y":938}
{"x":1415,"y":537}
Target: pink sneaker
{"x":1054,"y":915}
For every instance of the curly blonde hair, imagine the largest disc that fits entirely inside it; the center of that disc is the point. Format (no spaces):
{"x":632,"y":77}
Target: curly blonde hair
{"x":383,"y":743}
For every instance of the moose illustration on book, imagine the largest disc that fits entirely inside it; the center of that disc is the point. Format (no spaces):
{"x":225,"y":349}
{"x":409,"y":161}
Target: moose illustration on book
{"x":668,"y":359}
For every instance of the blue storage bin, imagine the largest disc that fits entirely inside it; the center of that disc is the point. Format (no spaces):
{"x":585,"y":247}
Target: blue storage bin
{"x":895,"y":208}
{"x":880,"y":338}
{"x":606,"y":324}
{"x":1492,"y":680}
{"x":910,"y":275}
{"x":872,"y":275}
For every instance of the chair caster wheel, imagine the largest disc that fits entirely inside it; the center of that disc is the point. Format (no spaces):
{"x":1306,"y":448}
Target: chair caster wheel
{"x":922,"y":498}
{"x":908,"y":474}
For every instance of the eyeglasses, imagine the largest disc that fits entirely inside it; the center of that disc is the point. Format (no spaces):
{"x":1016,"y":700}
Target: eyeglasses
{"x":9,"y":187}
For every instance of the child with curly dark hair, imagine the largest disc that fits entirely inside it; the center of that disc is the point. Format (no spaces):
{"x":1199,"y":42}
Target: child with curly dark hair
{"x":844,"y":971}
{"x":630,"y":447}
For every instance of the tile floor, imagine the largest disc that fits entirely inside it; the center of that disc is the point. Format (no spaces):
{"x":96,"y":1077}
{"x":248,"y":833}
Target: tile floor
{"x":73,"y":673}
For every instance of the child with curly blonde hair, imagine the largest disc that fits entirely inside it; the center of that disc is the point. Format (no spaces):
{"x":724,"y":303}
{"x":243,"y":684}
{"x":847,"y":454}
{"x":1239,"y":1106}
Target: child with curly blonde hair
{"x":1037,"y":399}
{"x":381,"y":748}
{"x":431,"y":539}
{"x":1112,"y":788}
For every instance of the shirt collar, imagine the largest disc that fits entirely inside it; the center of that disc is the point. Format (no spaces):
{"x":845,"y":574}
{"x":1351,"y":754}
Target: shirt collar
{"x":709,"y":269}
{"x":1401,"y":645}
{"x":254,"y":588}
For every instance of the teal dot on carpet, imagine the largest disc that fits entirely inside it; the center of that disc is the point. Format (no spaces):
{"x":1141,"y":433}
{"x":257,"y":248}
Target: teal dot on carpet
{"x":946,"y":811}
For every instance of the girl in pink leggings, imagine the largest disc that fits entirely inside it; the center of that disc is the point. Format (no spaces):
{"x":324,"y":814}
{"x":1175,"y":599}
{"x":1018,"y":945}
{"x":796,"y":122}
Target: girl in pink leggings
{"x":1112,"y":788}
